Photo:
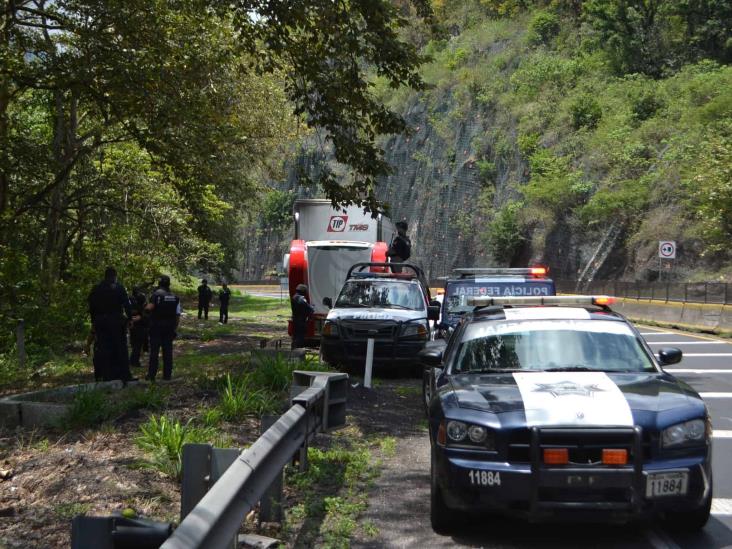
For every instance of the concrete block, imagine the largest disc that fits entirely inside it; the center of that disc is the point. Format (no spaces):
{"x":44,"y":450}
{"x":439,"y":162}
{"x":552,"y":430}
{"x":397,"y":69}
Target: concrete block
{"x":34,"y":414}
{"x":295,"y":355}
{"x":9,"y":413}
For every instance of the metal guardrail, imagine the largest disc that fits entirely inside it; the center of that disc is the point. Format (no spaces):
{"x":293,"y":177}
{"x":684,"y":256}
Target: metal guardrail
{"x":215,"y":521}
{"x":719,"y":293}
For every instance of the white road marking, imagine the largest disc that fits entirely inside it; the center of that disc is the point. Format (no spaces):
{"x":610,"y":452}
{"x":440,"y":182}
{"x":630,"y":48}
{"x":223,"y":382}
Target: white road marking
{"x":722,"y":434}
{"x":715,"y":395}
{"x":692,"y":371}
{"x":687,"y":343}
{"x":660,"y":540}
{"x":656,"y":333}
{"x":721,"y":506}
{"x":707,"y":354}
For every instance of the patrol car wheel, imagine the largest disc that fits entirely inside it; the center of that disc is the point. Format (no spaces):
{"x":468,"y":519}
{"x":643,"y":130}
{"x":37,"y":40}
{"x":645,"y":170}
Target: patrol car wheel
{"x":444,"y":520}
{"x":690,"y":521}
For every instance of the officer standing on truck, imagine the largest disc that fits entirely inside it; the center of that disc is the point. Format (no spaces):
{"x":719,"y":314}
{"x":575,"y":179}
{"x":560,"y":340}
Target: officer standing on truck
{"x":400,"y":248}
{"x":204,"y":298}
{"x":301,"y":311}
{"x":165,"y":311}
{"x":109,"y":308}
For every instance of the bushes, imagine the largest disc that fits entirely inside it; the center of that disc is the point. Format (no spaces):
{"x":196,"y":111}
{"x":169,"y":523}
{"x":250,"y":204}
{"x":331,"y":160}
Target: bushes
{"x":585,"y":111}
{"x":543,"y":28}
{"x":504,"y":234}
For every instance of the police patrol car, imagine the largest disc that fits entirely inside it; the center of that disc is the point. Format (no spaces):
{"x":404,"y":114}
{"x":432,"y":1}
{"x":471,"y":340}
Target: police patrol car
{"x":489,"y":282}
{"x":556,"y":406}
{"x":391,"y":308}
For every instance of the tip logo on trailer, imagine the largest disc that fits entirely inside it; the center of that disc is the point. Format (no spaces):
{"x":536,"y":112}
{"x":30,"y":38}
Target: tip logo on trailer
{"x":337,"y":223}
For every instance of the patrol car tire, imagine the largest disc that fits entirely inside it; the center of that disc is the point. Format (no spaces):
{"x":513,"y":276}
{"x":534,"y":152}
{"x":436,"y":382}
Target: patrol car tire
{"x":690,"y":521}
{"x":444,"y":520}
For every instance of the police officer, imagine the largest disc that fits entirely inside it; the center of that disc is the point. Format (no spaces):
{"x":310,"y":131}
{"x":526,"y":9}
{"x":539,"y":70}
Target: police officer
{"x":224,"y":296}
{"x":109,"y":308}
{"x":401,"y":247}
{"x":138,"y":326}
{"x":301,"y":311}
{"x":204,"y":298}
{"x":165,"y":310}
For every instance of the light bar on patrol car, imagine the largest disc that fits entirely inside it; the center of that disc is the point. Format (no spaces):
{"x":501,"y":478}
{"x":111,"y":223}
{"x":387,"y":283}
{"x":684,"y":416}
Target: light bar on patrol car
{"x":577,"y":300}
{"x":533,"y":271}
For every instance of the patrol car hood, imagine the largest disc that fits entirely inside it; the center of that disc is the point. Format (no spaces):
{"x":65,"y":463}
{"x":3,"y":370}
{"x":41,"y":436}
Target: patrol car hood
{"x":644,"y":393}
{"x":375,"y":314}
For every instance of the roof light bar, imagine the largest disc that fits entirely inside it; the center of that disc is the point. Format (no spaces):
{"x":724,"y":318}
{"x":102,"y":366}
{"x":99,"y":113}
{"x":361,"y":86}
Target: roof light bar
{"x":533,"y":271}
{"x":577,"y":300}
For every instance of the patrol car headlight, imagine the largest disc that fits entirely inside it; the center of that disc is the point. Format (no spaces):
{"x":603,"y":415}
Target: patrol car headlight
{"x":689,"y":432}
{"x":457,"y":431}
{"x":417,"y":330}
{"x":330,"y":329}
{"x":477,"y":434}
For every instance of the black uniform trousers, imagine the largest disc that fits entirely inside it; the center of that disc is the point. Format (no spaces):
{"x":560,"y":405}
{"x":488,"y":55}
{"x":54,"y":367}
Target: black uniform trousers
{"x":161,"y":338}
{"x":111,"y":360}
{"x":224,"y":313}
{"x":139,"y":342}
{"x":299,"y":329}
{"x":203,"y":308}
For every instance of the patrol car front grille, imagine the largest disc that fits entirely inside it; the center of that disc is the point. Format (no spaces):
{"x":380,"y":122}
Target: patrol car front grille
{"x":585,"y":447}
{"x":363,"y":330}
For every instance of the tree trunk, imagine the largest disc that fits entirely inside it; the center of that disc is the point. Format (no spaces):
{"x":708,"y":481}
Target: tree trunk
{"x":5,"y":24}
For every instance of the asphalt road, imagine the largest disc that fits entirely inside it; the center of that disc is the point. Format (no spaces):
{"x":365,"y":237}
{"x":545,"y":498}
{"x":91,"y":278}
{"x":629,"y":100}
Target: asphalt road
{"x":399,"y":502}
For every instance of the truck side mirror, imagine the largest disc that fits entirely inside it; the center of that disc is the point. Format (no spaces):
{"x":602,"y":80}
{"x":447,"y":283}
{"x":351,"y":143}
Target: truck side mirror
{"x":328,"y":302}
{"x":433,"y":312}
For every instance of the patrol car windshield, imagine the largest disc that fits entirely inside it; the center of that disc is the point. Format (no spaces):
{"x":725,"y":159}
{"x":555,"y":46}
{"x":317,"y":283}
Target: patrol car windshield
{"x":381,"y":294}
{"x":458,"y":292}
{"x":551,"y":345}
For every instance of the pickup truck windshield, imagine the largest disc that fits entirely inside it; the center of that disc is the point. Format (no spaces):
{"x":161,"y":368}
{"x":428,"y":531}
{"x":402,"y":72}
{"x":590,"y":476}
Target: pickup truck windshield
{"x":457,"y":292}
{"x":551,"y":345}
{"x":381,"y":294}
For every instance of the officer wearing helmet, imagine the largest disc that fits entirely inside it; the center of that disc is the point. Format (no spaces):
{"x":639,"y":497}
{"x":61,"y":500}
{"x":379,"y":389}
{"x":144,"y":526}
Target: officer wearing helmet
{"x":301,"y":311}
{"x":165,"y":311}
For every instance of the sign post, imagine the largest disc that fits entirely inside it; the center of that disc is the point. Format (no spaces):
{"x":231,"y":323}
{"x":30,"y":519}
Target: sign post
{"x":666,"y":250}
{"x":369,"y":363}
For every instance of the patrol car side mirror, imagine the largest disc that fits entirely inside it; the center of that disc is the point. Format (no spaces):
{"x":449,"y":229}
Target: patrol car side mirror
{"x":328,"y":302}
{"x":431,"y":357}
{"x":669,"y":355}
{"x":433,"y":312}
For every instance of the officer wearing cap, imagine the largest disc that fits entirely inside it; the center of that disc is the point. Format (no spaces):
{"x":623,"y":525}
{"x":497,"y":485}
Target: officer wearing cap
{"x":301,"y":311}
{"x":165,"y":311}
{"x":109,"y":308}
{"x":204,"y":298}
{"x":401,"y":248}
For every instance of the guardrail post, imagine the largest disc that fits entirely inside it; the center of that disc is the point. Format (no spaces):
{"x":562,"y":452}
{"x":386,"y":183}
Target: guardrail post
{"x":686,"y":291}
{"x":726,"y":294}
{"x":706,"y":292}
{"x":20,"y":339}
{"x":667,"y":289}
{"x":270,"y":507}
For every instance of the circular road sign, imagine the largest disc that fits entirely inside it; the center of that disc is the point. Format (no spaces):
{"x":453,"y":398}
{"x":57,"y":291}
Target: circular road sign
{"x":667,"y":249}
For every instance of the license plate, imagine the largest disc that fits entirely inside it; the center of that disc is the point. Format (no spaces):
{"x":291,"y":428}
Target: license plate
{"x":659,"y":485}
{"x":479,"y":477}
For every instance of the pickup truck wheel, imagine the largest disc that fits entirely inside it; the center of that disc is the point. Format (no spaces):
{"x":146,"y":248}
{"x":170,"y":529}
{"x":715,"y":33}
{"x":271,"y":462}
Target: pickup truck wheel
{"x":426,"y":389}
{"x":444,"y":520}
{"x":690,"y":521}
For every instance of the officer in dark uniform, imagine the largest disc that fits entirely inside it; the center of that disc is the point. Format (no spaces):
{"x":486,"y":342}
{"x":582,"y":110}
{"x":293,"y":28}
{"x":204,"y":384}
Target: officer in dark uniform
{"x":165,"y":310}
{"x":109,"y":308}
{"x":301,"y":311}
{"x":204,"y":298}
{"x":401,"y":247}
{"x":138,"y":326}
{"x":224,"y":296}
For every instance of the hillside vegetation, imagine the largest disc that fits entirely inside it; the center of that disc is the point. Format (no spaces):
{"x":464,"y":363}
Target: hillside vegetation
{"x":605,"y":124}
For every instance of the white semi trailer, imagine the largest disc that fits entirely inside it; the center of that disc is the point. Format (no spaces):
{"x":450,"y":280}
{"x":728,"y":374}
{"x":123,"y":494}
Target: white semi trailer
{"x":327,"y":242}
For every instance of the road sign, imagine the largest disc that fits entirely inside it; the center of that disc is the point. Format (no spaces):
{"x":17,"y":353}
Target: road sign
{"x":667,"y":249}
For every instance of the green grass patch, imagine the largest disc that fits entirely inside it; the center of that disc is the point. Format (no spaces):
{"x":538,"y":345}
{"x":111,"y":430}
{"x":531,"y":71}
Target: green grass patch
{"x":68,"y":511}
{"x":162,"y":438}
{"x":91,"y":407}
{"x":408,"y":391}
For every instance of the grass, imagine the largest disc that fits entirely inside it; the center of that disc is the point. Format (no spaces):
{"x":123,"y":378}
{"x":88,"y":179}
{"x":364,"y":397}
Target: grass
{"x":163,"y":438}
{"x":67,"y":511}
{"x":241,"y":397}
{"x":91,"y":407}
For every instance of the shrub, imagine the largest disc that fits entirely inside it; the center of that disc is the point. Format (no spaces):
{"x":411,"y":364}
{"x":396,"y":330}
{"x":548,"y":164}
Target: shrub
{"x":504,"y":233}
{"x":241,"y":397}
{"x":586,"y":112}
{"x":543,"y":27}
{"x":88,"y":407}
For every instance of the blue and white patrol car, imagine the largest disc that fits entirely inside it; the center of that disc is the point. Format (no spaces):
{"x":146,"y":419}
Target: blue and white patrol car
{"x":472,"y":282}
{"x":556,"y":407}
